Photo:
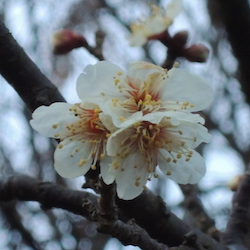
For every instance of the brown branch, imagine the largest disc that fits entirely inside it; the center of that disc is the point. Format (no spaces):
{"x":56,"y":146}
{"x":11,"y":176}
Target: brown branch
{"x":132,"y":234}
{"x":11,"y":215}
{"x":97,"y":50}
{"x":107,"y":209}
{"x":25,"y":77}
{"x":148,"y":210}
{"x":238,"y":227}
{"x":25,"y":188}
{"x":108,"y":223}
{"x":50,"y":195}
{"x":235,"y":15}
{"x":196,"y":208}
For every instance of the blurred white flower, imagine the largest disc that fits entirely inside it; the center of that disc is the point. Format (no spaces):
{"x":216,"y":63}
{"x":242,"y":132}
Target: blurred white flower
{"x":166,"y":139}
{"x":144,"y":89}
{"x":83,"y":131}
{"x":159,"y":20}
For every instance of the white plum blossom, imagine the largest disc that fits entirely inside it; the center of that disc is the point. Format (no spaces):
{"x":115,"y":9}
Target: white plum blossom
{"x":146,"y":88}
{"x":166,"y":139}
{"x":159,"y":20}
{"x":131,"y":122}
{"x":83,"y":131}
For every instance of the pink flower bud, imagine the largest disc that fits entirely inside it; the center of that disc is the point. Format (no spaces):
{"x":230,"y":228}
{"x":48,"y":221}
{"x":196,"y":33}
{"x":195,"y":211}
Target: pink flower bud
{"x":196,"y":53}
{"x":65,"y":40}
{"x":180,"y":38}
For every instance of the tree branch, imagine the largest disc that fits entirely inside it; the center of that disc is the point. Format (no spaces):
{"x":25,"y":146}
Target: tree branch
{"x":25,"y":188}
{"x":148,"y":210}
{"x":238,"y":227}
{"x":10,"y":213}
{"x":25,"y":77}
{"x":128,"y":233}
{"x":195,"y":207}
{"x":235,"y":15}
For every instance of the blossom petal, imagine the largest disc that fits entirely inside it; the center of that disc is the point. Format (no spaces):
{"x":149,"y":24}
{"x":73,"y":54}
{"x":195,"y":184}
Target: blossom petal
{"x":131,"y":176}
{"x":174,"y":8}
{"x":185,"y":116}
{"x":182,"y":86}
{"x":182,"y":172}
{"x":106,"y":120}
{"x":141,"y":70}
{"x":106,"y":174}
{"x":68,"y":156}
{"x":114,"y":141}
{"x":120,"y":117}
{"x":174,"y":117}
{"x":187,"y":130}
{"x":157,"y":24}
{"x":193,"y":134}
{"x":99,"y":79}
{"x":137,"y":39}
{"x":53,"y":119}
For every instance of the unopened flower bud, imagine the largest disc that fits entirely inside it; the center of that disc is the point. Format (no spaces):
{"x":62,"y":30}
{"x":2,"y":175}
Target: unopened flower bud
{"x":234,"y":183}
{"x":180,"y":38}
{"x":65,"y":40}
{"x":196,"y":53}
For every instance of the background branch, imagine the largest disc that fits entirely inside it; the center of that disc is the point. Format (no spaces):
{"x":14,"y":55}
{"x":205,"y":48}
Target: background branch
{"x":25,"y":77}
{"x":235,"y":16}
{"x":237,"y":231}
{"x":196,"y":208}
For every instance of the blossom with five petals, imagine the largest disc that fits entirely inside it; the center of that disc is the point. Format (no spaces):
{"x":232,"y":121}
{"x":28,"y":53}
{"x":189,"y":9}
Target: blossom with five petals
{"x":83,"y":131}
{"x":144,"y":89}
{"x":166,"y":139}
{"x":158,"y":22}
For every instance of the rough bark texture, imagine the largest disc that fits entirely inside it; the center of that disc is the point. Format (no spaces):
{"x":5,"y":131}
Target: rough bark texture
{"x":20,"y":71}
{"x":149,"y":212}
{"x":235,"y":16}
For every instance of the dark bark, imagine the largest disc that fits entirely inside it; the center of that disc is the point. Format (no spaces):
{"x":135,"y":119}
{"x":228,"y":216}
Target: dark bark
{"x":238,"y":227}
{"x":25,"y":188}
{"x":22,"y":73}
{"x":11,"y":215}
{"x":149,"y":211}
{"x":197,"y":210}
{"x":235,"y":16}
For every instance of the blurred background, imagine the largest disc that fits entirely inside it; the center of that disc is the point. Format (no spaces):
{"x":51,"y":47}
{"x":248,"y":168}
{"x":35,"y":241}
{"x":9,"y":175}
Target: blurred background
{"x":25,"y":226}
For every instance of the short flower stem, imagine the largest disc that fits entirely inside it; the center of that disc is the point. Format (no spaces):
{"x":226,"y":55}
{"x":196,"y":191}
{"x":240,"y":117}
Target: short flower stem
{"x":107,"y":207}
{"x":95,"y":51}
{"x":170,"y":60}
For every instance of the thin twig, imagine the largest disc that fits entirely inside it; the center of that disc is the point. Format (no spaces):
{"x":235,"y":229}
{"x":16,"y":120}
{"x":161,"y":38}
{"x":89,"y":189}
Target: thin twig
{"x":197,"y":210}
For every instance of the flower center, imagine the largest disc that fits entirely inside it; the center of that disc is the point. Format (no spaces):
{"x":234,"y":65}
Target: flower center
{"x":89,"y":129}
{"x":144,"y":96}
{"x":148,"y":138}
{"x":88,"y":123}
